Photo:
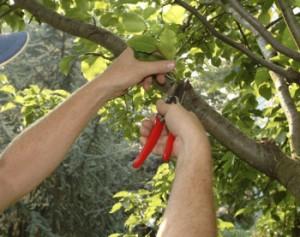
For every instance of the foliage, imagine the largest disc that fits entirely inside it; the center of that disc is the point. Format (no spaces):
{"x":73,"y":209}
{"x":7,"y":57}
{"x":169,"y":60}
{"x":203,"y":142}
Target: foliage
{"x":241,"y":89}
{"x":145,"y":207}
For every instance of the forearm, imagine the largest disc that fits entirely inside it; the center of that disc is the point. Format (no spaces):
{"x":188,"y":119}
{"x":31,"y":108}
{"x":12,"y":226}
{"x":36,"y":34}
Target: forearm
{"x":34,"y":154}
{"x":190,"y":211}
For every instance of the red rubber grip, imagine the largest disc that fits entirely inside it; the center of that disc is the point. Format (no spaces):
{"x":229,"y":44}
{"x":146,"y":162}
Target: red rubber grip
{"x":168,"y":148}
{"x":150,"y":143}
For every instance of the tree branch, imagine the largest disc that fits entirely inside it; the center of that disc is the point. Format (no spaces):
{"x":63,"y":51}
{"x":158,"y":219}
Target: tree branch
{"x":263,"y":32}
{"x":290,"y":111}
{"x":290,"y":74}
{"x":77,"y":28}
{"x":282,"y":90}
{"x":290,"y":20}
{"x":243,"y":34}
{"x":263,"y":156}
{"x":271,"y":24}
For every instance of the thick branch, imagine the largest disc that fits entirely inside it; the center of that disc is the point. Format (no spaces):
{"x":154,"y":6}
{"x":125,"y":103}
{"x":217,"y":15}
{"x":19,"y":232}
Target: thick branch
{"x":290,"y":74}
{"x":265,"y":157}
{"x":290,"y":20}
{"x":91,"y":32}
{"x":290,"y":111}
{"x":227,"y":134}
{"x":282,"y":90}
{"x":263,"y":32}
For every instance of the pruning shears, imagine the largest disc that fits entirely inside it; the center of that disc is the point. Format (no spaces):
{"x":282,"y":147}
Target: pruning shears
{"x":175,"y":95}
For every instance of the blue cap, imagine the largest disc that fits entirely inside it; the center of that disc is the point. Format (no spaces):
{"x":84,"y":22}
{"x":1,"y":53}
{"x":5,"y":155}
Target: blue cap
{"x":11,"y":45}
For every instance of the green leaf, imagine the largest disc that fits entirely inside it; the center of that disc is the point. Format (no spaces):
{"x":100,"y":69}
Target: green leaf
{"x":240,"y":211}
{"x":108,"y":19}
{"x":116,"y":207}
{"x":267,"y":4}
{"x":174,"y":14}
{"x":261,"y":76}
{"x":115,"y":235}
{"x":287,"y":39}
{"x":223,"y":225}
{"x":265,"y":91}
{"x":65,"y":64}
{"x":143,"y":43}
{"x":132,"y":221}
{"x":264,"y":17}
{"x":3,"y":79}
{"x":133,"y":22}
{"x":149,"y":11}
{"x":167,"y":43}
{"x":122,"y":194}
{"x":91,"y":71}
{"x":83,"y":5}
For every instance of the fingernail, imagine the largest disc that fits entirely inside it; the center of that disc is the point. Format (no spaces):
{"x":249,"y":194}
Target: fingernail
{"x":171,"y":65}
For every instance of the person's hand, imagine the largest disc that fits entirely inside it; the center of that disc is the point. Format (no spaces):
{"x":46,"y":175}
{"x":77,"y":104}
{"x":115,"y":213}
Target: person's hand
{"x":127,"y":71}
{"x":183,"y":124}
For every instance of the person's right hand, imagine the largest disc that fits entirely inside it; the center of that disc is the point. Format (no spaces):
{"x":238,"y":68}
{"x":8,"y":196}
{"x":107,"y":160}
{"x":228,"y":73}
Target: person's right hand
{"x":186,"y":127}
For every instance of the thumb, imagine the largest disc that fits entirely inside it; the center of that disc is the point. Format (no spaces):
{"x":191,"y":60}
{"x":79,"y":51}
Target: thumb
{"x":159,"y":67}
{"x":162,"y":107}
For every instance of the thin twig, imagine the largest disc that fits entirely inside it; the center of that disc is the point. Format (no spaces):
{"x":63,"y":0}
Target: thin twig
{"x":243,"y":34}
{"x":290,"y":74}
{"x":290,"y":20}
{"x":271,"y":24}
{"x":262,"y":30}
{"x":282,"y":91}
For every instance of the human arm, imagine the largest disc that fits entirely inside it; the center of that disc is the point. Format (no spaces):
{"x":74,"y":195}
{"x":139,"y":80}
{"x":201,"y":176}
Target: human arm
{"x":190,"y":209}
{"x":36,"y":152}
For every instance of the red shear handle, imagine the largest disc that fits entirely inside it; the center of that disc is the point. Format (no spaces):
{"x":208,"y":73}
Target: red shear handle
{"x":150,"y":144}
{"x":168,"y":148}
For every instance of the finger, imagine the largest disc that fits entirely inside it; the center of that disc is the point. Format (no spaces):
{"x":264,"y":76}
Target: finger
{"x":152,"y":118}
{"x":160,"y":146}
{"x":162,"y":107}
{"x":158,"y":67}
{"x":148,"y":123}
{"x":143,"y":140}
{"x":147,"y":83}
{"x":144,"y":131}
{"x":161,"y":78}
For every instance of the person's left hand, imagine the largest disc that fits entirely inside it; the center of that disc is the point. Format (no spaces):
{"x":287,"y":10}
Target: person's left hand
{"x":126,"y":71}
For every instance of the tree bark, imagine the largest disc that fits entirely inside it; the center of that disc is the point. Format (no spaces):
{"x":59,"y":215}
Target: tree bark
{"x":290,"y":20}
{"x":290,"y":74}
{"x":236,"y":5}
{"x":286,"y":101}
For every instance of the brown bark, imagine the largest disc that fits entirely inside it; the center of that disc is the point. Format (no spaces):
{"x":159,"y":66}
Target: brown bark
{"x":282,"y":90}
{"x":290,"y":20}
{"x":236,"y":5}
{"x":290,"y":74}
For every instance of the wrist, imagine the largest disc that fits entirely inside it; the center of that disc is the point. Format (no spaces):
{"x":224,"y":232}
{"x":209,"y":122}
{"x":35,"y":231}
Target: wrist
{"x":195,"y":150}
{"x":104,"y":85}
